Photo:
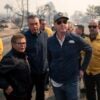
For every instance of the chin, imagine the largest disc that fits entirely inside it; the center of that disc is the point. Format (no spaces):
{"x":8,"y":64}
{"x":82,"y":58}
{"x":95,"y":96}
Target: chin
{"x":63,"y":32}
{"x":22,"y":51}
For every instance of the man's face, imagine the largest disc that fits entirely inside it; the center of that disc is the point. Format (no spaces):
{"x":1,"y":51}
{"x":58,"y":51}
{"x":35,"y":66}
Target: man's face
{"x":43,"y":25}
{"x":34,"y":25}
{"x":78,"y":31}
{"x":61,"y":25}
{"x":93,"y":29}
{"x":20,"y":45}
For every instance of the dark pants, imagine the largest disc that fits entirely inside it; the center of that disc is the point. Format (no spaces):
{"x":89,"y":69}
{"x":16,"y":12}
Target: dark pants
{"x":92,"y":84}
{"x":68,"y":91}
{"x":38,"y":81}
{"x":12,"y":97}
{"x":46,"y":79}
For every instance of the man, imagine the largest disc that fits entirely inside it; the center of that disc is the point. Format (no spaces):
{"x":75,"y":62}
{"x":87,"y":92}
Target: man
{"x":79,"y":30}
{"x":63,"y":58}
{"x":44,"y":27}
{"x":92,"y":75}
{"x":37,"y":54}
{"x":15,"y":76}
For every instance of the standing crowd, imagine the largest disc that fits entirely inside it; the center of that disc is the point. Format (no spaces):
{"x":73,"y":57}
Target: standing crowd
{"x":62,"y":57}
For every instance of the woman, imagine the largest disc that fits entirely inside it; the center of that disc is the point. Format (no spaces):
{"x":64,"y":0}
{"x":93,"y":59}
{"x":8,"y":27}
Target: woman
{"x":15,"y":71}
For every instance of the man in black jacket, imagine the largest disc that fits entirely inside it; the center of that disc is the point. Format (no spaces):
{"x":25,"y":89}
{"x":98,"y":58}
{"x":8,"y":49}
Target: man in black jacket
{"x":37,"y":53}
{"x":15,"y":77}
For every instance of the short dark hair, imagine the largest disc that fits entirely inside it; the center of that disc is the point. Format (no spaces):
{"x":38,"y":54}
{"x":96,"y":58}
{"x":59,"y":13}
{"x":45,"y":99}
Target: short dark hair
{"x":80,"y":27}
{"x":32,"y":17}
{"x":41,"y":19}
{"x":16,"y":37}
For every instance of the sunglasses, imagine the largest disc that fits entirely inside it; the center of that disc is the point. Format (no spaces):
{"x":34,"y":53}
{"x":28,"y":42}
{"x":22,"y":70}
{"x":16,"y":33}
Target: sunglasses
{"x":61,"y":21}
{"x":20,"y":43}
{"x":92,"y":26}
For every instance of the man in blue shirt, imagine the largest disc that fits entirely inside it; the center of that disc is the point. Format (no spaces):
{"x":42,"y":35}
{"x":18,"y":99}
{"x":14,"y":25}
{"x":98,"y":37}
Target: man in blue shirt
{"x":63,"y":58}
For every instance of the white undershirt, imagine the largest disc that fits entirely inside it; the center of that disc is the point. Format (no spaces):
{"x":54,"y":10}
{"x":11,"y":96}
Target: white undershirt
{"x":54,"y":83}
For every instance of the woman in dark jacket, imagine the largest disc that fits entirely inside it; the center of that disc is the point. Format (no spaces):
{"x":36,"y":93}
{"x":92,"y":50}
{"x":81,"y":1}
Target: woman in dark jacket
{"x":15,"y":71}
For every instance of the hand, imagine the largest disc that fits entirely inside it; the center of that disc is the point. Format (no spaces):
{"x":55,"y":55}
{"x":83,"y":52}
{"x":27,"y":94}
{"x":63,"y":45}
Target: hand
{"x":81,"y":74}
{"x":9,"y":90}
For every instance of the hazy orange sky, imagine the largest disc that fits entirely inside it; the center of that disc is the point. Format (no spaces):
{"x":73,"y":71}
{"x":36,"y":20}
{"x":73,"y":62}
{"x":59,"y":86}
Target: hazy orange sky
{"x":68,"y":6}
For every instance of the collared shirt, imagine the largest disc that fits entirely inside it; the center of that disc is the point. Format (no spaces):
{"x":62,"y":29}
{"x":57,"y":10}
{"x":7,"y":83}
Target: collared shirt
{"x":54,"y":83}
{"x":94,"y":65}
{"x":60,"y":41}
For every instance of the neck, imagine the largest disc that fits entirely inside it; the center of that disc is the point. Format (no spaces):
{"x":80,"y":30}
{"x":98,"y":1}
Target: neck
{"x":61,"y":36}
{"x":18,"y":54}
{"x":93,"y":36}
{"x":34,"y":32}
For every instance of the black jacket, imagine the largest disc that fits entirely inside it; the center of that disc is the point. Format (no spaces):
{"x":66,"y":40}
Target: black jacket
{"x":37,"y":51}
{"x":15,"y":71}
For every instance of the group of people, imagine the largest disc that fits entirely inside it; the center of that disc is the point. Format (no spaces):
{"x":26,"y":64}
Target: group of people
{"x":36,"y":53}
{"x":91,"y":76}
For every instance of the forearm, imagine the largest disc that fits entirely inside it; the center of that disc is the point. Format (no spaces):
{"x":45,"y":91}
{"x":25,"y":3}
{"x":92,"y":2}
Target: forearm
{"x":86,"y":60}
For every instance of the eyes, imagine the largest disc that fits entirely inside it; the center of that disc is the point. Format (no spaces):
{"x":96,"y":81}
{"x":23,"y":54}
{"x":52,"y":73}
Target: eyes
{"x":92,"y":26}
{"x":61,"y":21}
{"x":20,"y":43}
{"x":32,"y":24}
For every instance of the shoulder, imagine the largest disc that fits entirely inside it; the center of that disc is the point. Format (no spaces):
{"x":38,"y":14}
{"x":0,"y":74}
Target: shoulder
{"x":77,"y":39}
{"x":52,"y":37}
{"x":87,"y":40}
{"x":44,"y":33}
{"x":49,"y":31}
{"x":98,"y":36}
{"x":8,"y":58}
{"x":27,"y":33}
{"x":51,"y":40}
{"x":1,"y":41}
{"x":74,"y":37}
{"x":8,"y":55}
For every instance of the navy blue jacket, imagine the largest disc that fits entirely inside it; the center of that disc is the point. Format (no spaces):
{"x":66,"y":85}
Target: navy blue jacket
{"x":37,"y":51}
{"x":64,"y":61}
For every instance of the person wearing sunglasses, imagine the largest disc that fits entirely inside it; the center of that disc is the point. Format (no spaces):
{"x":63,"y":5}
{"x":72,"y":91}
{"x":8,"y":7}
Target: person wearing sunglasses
{"x":63,"y":58}
{"x":92,"y":75}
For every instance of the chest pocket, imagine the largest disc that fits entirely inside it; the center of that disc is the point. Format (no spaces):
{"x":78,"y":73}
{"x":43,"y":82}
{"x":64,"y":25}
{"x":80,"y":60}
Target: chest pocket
{"x":70,"y":48}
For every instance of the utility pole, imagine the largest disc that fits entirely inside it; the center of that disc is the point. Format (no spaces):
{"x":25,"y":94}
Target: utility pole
{"x":27,"y":8}
{"x":22,"y":9}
